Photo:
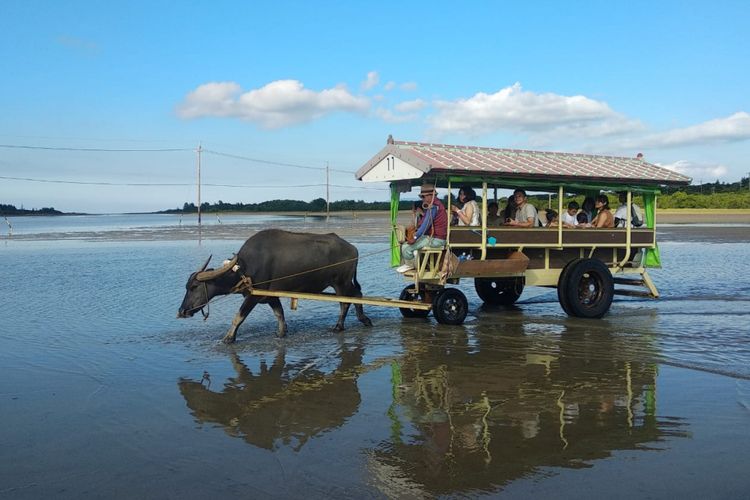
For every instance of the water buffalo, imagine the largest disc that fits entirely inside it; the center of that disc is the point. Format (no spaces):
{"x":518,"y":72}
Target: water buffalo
{"x":279,"y":260}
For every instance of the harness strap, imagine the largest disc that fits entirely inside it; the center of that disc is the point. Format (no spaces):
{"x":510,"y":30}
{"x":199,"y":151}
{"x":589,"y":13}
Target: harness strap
{"x":245,"y":283}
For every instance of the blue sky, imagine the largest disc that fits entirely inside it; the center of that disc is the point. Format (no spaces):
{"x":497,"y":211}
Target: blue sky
{"x":316,"y":83}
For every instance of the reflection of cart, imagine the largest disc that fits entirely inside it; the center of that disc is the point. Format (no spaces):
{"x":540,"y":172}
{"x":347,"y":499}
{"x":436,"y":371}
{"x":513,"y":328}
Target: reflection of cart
{"x":583,"y":264}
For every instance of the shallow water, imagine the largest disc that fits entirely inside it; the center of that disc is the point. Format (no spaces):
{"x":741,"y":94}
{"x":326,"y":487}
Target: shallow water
{"x":105,"y":393}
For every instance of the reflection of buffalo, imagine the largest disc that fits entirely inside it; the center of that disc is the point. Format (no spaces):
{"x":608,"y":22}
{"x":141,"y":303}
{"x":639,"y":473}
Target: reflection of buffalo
{"x":281,"y":402}
{"x":486,"y":412}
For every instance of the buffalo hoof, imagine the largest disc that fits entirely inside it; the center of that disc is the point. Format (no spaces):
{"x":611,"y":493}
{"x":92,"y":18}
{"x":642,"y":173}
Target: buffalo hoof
{"x":228,"y":339}
{"x":367,"y":322}
{"x":338,"y":328}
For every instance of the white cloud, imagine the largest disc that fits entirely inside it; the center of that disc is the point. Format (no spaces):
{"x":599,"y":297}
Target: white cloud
{"x":277,"y":104}
{"x":406,"y":111}
{"x":406,"y":86}
{"x":410,"y":106}
{"x":730,"y":129}
{"x":389,"y":116}
{"x":695,"y":170}
{"x":514,"y":109}
{"x":372,"y":80}
{"x":78,"y":44}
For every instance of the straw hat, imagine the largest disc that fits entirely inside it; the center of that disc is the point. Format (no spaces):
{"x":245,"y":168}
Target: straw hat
{"x":427,"y":189}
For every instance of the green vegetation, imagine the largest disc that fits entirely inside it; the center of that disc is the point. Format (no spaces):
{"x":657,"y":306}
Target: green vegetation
{"x":6,"y":210}
{"x":715,"y":195}
{"x":317,"y":205}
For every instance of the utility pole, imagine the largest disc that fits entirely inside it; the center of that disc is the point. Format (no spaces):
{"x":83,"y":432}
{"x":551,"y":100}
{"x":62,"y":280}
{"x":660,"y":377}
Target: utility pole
{"x":328,"y":199}
{"x":199,"y":150}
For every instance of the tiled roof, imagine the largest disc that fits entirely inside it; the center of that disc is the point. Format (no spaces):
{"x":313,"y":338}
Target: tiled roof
{"x":508,"y":163}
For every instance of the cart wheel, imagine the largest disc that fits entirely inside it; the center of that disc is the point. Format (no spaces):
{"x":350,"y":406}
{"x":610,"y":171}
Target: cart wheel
{"x":450,"y":306}
{"x":588,"y":289}
{"x":499,"y":291}
{"x":562,"y":297}
{"x":408,"y":294}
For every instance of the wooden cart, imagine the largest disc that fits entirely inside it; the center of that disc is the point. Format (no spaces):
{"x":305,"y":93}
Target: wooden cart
{"x":584,"y":265}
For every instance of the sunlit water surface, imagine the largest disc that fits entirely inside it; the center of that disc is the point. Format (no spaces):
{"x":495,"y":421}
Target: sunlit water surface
{"x":105,"y":393}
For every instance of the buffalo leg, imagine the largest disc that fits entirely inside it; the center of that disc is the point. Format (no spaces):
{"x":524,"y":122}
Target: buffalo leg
{"x":247,"y":306}
{"x":278,"y":310}
{"x":349,"y":290}
{"x":361,"y":315}
{"x":342,"y":317}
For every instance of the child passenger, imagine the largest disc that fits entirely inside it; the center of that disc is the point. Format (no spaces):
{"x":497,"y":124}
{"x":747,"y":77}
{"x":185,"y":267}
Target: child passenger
{"x":552,"y":220}
{"x":569,"y":218}
{"x":583,"y":220}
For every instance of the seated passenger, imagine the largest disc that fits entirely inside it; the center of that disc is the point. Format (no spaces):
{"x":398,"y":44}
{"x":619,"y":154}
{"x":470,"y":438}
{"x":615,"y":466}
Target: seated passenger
{"x":493,"y":217}
{"x":551,"y":216}
{"x":509,"y":212}
{"x":583,"y":221}
{"x":432,"y":231}
{"x":588,"y":208}
{"x":468,"y":214}
{"x":569,"y":218}
{"x":621,"y":214}
{"x":604,"y":218}
{"x":526,"y":215}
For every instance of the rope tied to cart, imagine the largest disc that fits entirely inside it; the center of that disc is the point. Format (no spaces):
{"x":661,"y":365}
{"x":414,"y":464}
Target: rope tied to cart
{"x":246,"y":284}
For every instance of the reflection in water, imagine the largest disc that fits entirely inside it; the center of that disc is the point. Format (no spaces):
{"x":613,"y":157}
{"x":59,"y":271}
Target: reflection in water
{"x":474,"y":411}
{"x":472,"y":408}
{"x":285,"y":402}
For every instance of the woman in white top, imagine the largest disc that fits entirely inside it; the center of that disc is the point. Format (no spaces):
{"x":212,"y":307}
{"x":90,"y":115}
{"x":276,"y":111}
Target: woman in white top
{"x":468,"y":214}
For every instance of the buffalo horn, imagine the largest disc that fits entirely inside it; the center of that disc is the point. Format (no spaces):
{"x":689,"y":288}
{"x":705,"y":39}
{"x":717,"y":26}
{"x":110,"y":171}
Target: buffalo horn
{"x":205,"y":265}
{"x":215,"y":273}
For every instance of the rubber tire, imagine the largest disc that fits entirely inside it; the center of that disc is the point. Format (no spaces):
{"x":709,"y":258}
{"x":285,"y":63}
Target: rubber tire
{"x":450,"y":306}
{"x":412,"y":313}
{"x":589,"y":289}
{"x":561,"y":295}
{"x":499,"y":291}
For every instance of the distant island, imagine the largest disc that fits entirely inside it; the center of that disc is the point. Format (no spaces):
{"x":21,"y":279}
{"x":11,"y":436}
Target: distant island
{"x":6,"y":210}
{"x":711,"y":195}
{"x":714,"y":195}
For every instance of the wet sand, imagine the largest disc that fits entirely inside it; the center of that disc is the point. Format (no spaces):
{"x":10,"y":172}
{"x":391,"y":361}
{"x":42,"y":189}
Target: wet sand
{"x":106,"y":395}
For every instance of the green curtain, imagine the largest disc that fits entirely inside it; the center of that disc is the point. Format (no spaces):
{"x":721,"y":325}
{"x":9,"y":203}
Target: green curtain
{"x":395,"y":246}
{"x":652,"y":258}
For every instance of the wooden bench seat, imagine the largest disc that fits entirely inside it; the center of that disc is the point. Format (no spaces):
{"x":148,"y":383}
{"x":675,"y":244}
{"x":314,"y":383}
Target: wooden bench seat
{"x":641,"y":237}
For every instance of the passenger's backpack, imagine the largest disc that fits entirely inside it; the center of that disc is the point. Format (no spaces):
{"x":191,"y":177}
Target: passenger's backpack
{"x":634,"y":217}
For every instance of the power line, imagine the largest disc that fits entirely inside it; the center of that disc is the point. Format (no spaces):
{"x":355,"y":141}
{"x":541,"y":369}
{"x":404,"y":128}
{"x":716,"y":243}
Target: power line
{"x":50,"y":148}
{"x":272,"y":162}
{"x":166,"y":150}
{"x":90,"y":183}
{"x":259,"y":160}
{"x":176,"y":184}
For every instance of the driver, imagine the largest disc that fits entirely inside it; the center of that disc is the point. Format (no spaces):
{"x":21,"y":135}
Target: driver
{"x":432,"y":231}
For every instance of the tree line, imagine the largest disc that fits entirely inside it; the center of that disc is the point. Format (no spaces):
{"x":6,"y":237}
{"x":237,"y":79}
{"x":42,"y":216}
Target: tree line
{"x":6,"y":210}
{"x":734,"y":195}
{"x":711,"y":195}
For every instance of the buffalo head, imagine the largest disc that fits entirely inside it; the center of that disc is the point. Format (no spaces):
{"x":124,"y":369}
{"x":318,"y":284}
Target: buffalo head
{"x":203,"y":285}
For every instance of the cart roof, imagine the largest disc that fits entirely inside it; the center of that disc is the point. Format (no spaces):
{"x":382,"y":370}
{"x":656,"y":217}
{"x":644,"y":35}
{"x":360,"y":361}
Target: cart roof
{"x":402,"y":160}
